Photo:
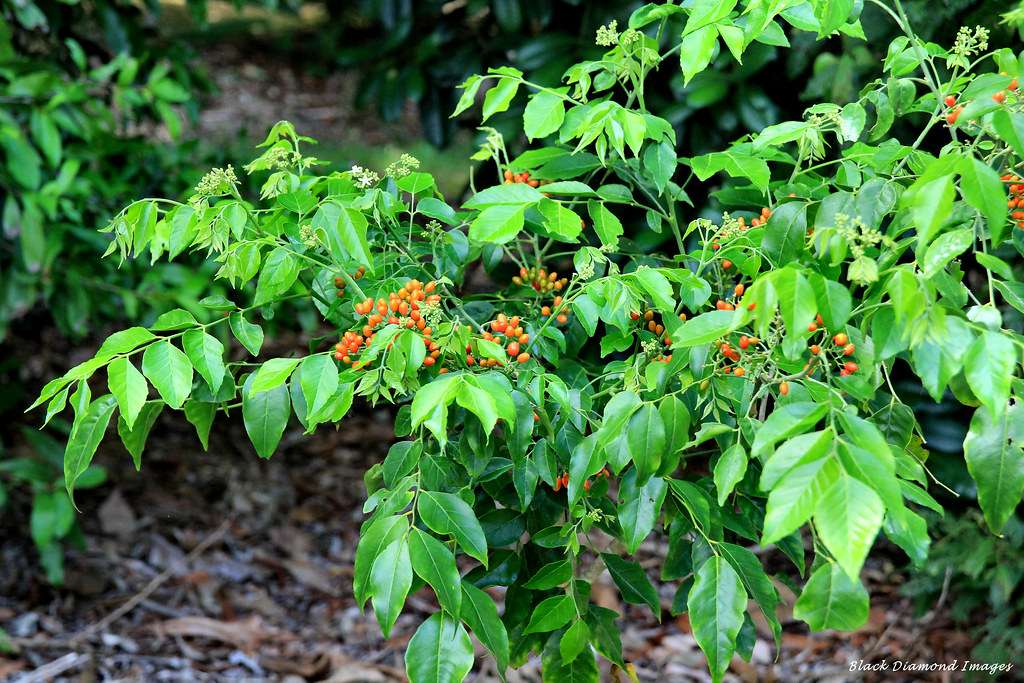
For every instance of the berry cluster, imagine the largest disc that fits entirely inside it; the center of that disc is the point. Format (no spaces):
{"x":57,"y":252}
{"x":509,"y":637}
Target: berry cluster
{"x":956,"y":109}
{"x":339,"y":282}
{"x":563,"y":481}
{"x":737,"y":292}
{"x":507,"y":332}
{"x":732,"y":226}
{"x":540,"y":280}
{"x":732,"y":354}
{"x":560,"y":311}
{"x":404,"y":308}
{"x":523,"y":177}
{"x":1015,"y":191}
{"x":840,"y":348}
{"x":648,"y":322}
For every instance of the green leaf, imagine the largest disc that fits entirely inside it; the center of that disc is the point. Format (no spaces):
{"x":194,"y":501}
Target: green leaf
{"x":445,"y":513}
{"x":129,"y":388}
{"x":200,"y":415}
{"x":645,"y":435}
{"x":560,"y":221}
{"x":716,"y":605}
{"x":265,"y":415}
{"x":177,"y":319}
{"x":415,"y":183}
{"x":271,"y":374}
{"x":277,"y":275}
{"x":497,"y":224}
{"x":797,"y":450}
{"x":785,"y":234}
{"x":318,"y":377}
{"x":439,"y":652}
{"x":499,"y":97}
{"x":660,"y":163}
{"x":795,"y":498}
{"x":373,"y":539}
{"x":737,"y":162}
{"x":207,"y":356}
{"x":134,"y":437}
{"x":435,"y":564}
{"x":989,"y":365}
{"x":250,"y":335}
{"x":706,"y":328}
{"x":982,"y":189}
{"x":729,"y":470}
{"x":832,"y":600}
{"x":784,"y":422}
{"x":390,"y":581}
{"x":833,"y":299}
{"x":848,"y":517}
{"x":550,"y":576}
{"x":169,"y":371}
{"x":639,"y":507}
{"x":551,"y":614}
{"x":756,"y":582}
{"x":86,"y":434}
{"x":633,"y":583}
{"x":543,"y":115}
{"x":574,"y":641}
{"x":1010,"y":127}
{"x":930,"y":203}
{"x":696,"y":51}
{"x":995,"y":461}
{"x":831,"y":14}
{"x":480,"y":612}
{"x":606,"y":225}
{"x":51,"y":518}
{"x":944,"y":249}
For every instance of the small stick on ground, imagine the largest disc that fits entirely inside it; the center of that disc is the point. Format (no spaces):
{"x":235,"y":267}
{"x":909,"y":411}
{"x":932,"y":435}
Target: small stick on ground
{"x":158,"y":580}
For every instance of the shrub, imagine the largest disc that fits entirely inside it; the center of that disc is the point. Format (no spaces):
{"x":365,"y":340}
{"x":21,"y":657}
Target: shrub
{"x":66,"y":156}
{"x":726,"y":380}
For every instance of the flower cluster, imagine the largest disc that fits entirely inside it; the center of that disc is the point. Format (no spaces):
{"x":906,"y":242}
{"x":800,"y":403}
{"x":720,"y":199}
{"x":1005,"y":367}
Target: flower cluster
{"x":405,"y":165}
{"x":217,"y":183}
{"x":608,"y":35}
{"x":364,"y":178}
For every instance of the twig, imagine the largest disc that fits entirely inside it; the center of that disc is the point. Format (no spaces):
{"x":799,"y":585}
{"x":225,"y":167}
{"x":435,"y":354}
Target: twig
{"x":158,"y":580}
{"x":47,"y":672}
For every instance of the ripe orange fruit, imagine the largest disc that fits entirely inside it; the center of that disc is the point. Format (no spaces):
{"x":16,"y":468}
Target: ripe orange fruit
{"x":999,"y":97}
{"x":840,"y":339}
{"x":784,"y":388}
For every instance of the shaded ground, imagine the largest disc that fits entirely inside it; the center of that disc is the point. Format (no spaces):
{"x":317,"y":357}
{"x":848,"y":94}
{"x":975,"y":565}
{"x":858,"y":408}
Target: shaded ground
{"x":240,"y":568}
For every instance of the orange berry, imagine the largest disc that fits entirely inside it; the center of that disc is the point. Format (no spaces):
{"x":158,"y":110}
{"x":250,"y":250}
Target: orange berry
{"x":523,"y":357}
{"x":648,"y":315}
{"x":850,"y":367}
{"x":545,"y":311}
{"x":999,"y":97}
{"x":840,"y":339}
{"x":726,"y":264}
{"x":428,"y":361}
{"x":739,"y":289}
{"x":815,"y":349}
{"x":849,"y":349}
{"x":634,"y":315}
{"x":784,"y":388}
{"x":512,"y":349}
{"x":813,"y":327}
{"x":739,"y":372}
{"x":1013,"y":85}
{"x":950,"y":100}
{"x":562,"y":318}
